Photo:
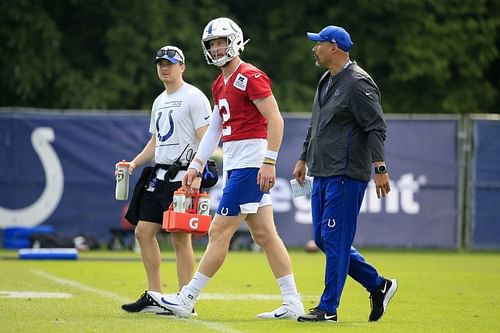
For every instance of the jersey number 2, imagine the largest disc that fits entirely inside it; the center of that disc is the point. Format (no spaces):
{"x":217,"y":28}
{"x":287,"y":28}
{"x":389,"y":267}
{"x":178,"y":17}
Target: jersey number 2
{"x":226,"y":114}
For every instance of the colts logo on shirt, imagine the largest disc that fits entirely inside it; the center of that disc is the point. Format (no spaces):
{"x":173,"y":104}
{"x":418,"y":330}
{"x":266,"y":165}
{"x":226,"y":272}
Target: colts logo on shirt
{"x":240,"y":82}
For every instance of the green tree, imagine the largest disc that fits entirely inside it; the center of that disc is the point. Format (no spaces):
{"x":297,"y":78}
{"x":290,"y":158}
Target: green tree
{"x":426,"y":55}
{"x":95,"y":54}
{"x":430,"y":56}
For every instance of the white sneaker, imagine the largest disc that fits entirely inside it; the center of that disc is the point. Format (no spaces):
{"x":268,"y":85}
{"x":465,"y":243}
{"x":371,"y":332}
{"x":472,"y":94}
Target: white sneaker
{"x":287,"y":310}
{"x":181,"y":304}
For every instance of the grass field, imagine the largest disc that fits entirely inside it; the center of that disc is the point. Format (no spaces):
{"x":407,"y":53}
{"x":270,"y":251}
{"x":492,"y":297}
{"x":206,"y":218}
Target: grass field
{"x":438,"y":292}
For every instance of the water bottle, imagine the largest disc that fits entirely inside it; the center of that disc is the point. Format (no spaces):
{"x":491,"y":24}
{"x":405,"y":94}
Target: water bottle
{"x":179,"y":201}
{"x":203,"y":204}
{"x":189,"y":203}
{"x":122,"y":181}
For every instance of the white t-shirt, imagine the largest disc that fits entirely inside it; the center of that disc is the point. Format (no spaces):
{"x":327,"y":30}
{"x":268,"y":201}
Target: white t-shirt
{"x":174,"y":120}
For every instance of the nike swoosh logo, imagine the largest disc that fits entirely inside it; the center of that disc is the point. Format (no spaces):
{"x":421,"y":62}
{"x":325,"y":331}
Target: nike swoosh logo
{"x":207,"y":117}
{"x":384,"y":289}
{"x":368,"y":93}
{"x":257,"y":75}
{"x":167,"y":302}
{"x":278,"y":315}
{"x":327,"y":317}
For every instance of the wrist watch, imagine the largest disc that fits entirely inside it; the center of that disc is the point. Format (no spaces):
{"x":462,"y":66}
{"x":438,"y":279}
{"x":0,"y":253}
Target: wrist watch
{"x":380,"y":170}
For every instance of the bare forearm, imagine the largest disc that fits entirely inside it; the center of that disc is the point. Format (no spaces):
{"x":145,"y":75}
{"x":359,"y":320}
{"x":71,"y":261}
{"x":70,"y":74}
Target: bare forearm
{"x":147,"y":153}
{"x":268,"y":107}
{"x":274,"y":132}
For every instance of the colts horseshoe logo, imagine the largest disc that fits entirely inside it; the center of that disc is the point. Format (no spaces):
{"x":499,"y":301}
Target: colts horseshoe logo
{"x":45,"y":205}
{"x":163,"y":138}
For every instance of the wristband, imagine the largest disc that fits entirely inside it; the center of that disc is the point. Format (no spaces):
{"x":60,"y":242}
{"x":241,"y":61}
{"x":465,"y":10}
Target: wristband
{"x":195,"y":165}
{"x":269,"y":163}
{"x":271,"y":154}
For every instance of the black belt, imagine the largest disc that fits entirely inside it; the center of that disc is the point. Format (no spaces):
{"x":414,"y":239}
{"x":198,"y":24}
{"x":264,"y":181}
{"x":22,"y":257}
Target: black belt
{"x":167,"y":166}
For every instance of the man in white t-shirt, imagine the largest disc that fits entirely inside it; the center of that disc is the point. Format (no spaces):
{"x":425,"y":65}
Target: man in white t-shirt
{"x":179,"y":118}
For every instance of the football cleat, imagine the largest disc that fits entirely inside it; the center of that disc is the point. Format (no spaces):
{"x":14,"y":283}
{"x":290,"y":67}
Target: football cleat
{"x":146,"y":304}
{"x":180,"y":304}
{"x":287,"y":310}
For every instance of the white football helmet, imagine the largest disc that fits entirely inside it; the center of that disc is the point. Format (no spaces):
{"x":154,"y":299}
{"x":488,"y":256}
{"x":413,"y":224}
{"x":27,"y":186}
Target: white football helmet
{"x":223,"y":27}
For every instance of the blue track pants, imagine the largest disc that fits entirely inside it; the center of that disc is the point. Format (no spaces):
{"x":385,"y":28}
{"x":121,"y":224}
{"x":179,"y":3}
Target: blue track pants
{"x":335,"y":203}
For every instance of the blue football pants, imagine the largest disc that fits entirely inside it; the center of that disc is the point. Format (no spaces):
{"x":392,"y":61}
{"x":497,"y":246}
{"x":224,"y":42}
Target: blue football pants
{"x":335,"y":204}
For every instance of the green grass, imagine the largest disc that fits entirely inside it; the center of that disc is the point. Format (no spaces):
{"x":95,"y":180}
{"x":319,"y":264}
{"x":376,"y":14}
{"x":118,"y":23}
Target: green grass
{"x":438,"y":292}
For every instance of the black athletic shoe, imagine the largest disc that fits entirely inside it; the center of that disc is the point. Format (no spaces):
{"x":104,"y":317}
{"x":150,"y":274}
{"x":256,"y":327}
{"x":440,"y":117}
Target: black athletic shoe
{"x":146,"y":304}
{"x":379,"y":299}
{"x":316,"y":314}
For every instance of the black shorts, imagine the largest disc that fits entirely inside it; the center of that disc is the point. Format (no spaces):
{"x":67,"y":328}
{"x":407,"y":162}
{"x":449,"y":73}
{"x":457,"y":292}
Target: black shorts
{"x":153,"y":204}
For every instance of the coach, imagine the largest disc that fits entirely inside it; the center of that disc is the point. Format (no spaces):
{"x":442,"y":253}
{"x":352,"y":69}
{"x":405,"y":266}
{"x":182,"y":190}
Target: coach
{"x":345,"y":138}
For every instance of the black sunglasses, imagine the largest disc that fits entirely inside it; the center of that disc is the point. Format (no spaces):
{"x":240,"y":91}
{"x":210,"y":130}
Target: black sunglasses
{"x":169,"y":53}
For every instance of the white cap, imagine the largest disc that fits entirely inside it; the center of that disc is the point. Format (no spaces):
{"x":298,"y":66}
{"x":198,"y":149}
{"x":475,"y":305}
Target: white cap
{"x":170,"y":53}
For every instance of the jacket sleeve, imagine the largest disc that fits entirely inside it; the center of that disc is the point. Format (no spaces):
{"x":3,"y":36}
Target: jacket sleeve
{"x":303,"y":156}
{"x":367,"y":110}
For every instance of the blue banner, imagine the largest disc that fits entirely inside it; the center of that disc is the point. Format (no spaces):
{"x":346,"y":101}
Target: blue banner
{"x":485,"y":196}
{"x":420,"y":212}
{"x":58,"y":169}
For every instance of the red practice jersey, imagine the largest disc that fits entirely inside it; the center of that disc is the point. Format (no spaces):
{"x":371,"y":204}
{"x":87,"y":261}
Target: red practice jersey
{"x":240,"y":117}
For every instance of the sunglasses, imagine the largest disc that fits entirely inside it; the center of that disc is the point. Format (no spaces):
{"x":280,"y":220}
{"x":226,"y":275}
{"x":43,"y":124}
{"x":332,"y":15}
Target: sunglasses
{"x":169,"y":53}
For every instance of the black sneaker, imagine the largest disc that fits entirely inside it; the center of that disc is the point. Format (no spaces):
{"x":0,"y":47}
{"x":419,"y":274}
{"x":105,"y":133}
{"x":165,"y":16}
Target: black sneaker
{"x":379,"y":299}
{"x":146,"y":304}
{"x":315,"y":314}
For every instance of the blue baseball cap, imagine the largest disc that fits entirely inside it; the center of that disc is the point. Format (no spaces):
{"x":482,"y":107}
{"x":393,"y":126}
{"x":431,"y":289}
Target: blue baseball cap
{"x":333,"y":34}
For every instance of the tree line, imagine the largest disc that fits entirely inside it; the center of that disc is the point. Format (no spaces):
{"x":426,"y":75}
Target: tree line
{"x":427,"y":56}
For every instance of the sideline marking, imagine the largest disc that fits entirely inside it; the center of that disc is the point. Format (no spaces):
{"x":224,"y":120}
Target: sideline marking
{"x":250,"y":297}
{"x":32,"y":294}
{"x":81,"y":286}
{"x":205,"y":296}
{"x":218,"y":327}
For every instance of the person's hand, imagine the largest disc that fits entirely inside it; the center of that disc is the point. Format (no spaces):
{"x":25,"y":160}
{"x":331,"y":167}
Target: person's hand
{"x":191,"y":183}
{"x":131,"y":167}
{"x":382,"y":185}
{"x":266,"y":177}
{"x":299,"y":172}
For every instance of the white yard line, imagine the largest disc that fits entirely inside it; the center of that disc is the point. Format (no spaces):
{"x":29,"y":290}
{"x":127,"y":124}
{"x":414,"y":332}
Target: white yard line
{"x":250,"y":297}
{"x":31,"y":294}
{"x":218,"y":327}
{"x":205,"y":296}
{"x":78,"y":285}
{"x":106,"y":294}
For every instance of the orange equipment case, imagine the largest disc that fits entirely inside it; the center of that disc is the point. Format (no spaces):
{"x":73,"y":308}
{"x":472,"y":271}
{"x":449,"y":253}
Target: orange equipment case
{"x":189,"y":221}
